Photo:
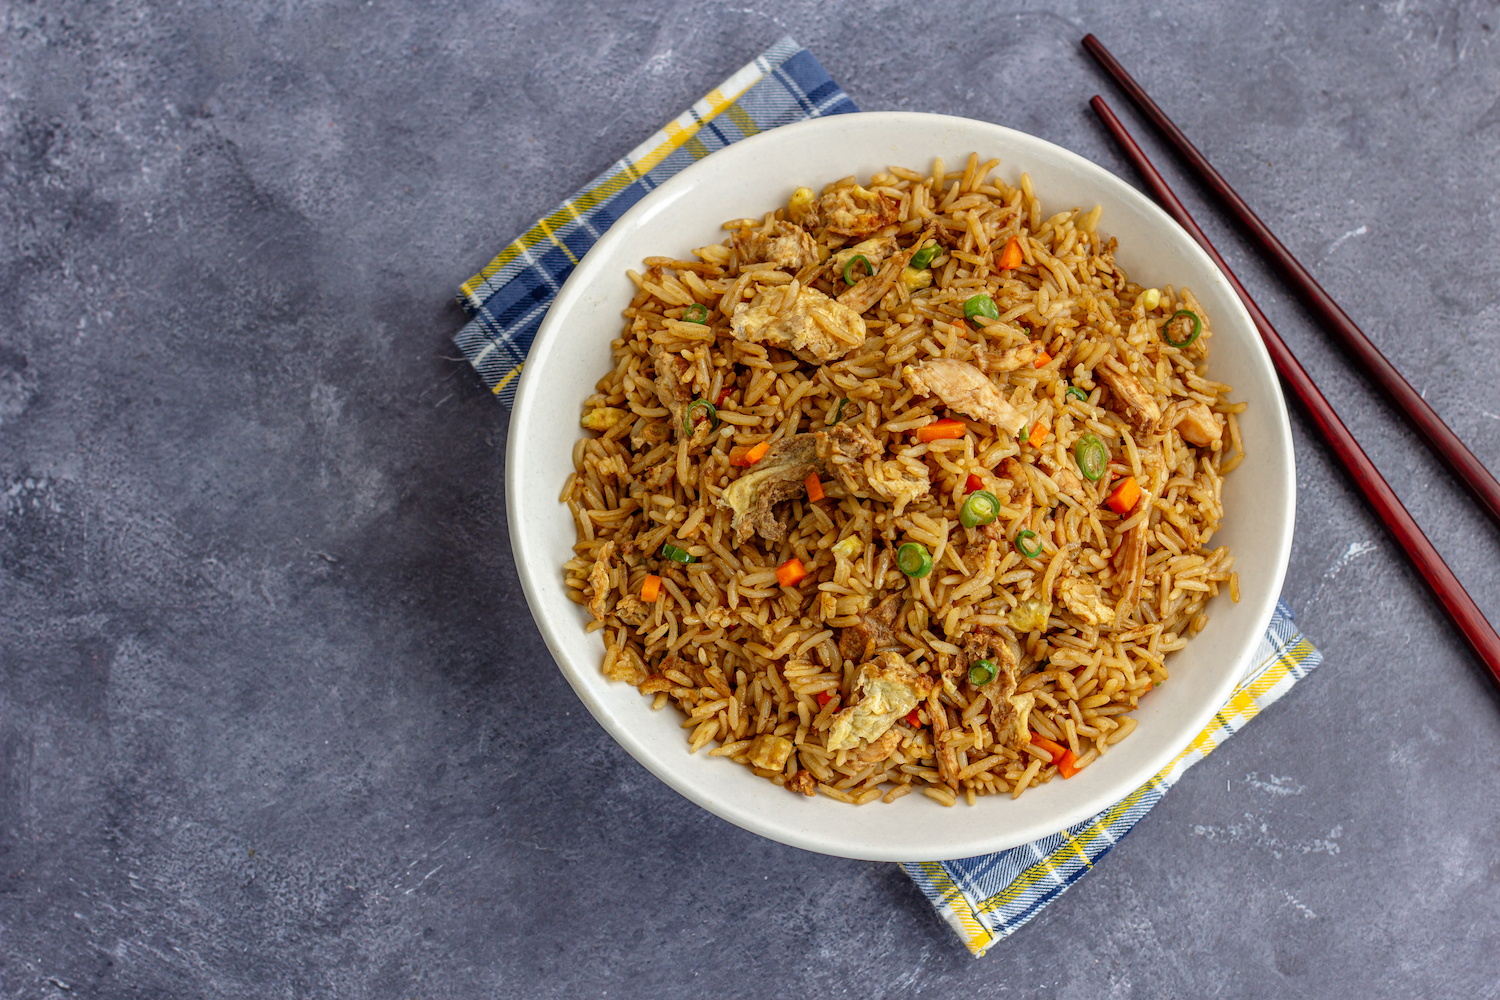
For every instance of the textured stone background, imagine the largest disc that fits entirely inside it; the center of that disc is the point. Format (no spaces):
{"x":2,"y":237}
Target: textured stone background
{"x":260,"y":734}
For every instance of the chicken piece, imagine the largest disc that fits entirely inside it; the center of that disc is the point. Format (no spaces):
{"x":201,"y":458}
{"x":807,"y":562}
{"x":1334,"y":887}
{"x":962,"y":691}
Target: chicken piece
{"x":1140,"y":407}
{"x":1200,"y":426}
{"x":888,"y":688}
{"x":803,"y":781}
{"x":784,"y":244}
{"x":1013,"y":473}
{"x":780,"y":475}
{"x":599,"y":581}
{"x":844,"y":452}
{"x":659,"y":475}
{"x":947,"y":757}
{"x":875,"y":251}
{"x":1007,"y":360}
{"x":672,"y":385}
{"x":632,"y":611}
{"x":897,"y":484}
{"x":964,"y":388}
{"x":1066,"y":479}
{"x":1082,"y":598}
{"x":770,"y":751}
{"x":853,"y":211}
{"x":648,"y":433}
{"x":1010,"y":718}
{"x":799,"y":319}
{"x":984,"y":643}
{"x":877,"y":750}
{"x":874,"y":633}
{"x":1010,"y":713}
{"x":868,"y":291}
{"x":1130,"y":559}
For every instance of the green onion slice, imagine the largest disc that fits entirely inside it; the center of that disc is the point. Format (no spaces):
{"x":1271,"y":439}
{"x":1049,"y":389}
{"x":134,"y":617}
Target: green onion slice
{"x":708,"y":409}
{"x":1021,"y":537}
{"x":982,"y":672}
{"x":1197,"y":328}
{"x":696,"y":313}
{"x":834,"y":416}
{"x":923,"y":257}
{"x":672,"y":552}
{"x":1092,"y":457}
{"x":849,"y":264}
{"x":981,"y":507}
{"x":913,"y":559}
{"x":981,"y":305}
{"x":1076,"y":393}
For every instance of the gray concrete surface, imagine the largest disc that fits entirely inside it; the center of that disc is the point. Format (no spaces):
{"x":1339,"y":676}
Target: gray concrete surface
{"x":274,"y":719}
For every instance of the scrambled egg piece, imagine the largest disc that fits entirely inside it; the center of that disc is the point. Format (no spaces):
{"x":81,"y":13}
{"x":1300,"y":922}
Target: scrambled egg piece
{"x":916,"y":278}
{"x":1030,"y":615}
{"x":800,"y":204}
{"x":888,"y":689}
{"x":602,"y":418}
{"x":1082,"y":598}
{"x":799,"y":319}
{"x":770,"y":751}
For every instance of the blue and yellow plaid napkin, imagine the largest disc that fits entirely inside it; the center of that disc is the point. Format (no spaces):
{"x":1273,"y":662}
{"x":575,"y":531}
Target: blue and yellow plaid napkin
{"x":985,"y":899}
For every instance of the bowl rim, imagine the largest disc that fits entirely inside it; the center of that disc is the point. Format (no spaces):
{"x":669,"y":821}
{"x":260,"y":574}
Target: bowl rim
{"x":789,"y":831}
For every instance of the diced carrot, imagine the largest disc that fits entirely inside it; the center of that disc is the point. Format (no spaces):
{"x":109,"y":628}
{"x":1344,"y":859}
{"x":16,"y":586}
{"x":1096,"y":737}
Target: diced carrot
{"x":650,"y":589}
{"x":973,"y":483}
{"x":1038,"y":435}
{"x":824,"y":698}
{"x":748,"y":454}
{"x":791,"y":572}
{"x":912,"y":719}
{"x":1041,"y":360}
{"x":1067,"y":764}
{"x":1010,"y":257}
{"x":814,"y":487}
{"x":941,"y":429}
{"x":1125,"y":496}
{"x":1047,"y":745}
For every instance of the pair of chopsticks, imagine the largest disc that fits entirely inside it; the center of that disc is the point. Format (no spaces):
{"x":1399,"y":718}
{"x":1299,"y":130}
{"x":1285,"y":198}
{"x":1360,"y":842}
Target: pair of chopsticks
{"x":1455,"y":601}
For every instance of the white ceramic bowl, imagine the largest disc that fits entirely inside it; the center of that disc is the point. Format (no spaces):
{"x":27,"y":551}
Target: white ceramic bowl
{"x":571,"y":353}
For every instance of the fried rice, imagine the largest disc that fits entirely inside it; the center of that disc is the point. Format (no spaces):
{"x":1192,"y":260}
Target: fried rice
{"x":903,"y":487}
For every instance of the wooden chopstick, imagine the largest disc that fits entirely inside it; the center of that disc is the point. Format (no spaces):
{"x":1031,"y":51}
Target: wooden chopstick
{"x":1407,"y":401}
{"x":1456,"y":602}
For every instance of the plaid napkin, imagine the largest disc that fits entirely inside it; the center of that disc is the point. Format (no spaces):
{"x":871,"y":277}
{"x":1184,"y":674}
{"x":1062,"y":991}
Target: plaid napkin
{"x":509,"y":297}
{"x":985,"y":899}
